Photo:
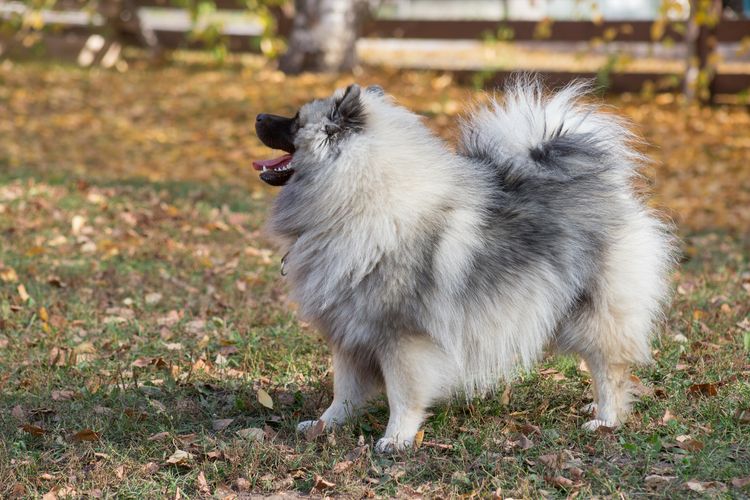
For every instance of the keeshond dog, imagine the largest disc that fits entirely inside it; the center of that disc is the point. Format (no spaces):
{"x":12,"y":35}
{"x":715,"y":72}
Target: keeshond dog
{"x":433,"y":272}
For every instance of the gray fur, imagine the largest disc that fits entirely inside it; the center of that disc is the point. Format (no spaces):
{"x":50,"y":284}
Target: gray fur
{"x":399,"y":248}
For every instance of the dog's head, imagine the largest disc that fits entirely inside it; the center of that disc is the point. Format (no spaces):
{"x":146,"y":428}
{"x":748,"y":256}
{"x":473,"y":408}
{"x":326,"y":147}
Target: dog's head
{"x":316,"y":131}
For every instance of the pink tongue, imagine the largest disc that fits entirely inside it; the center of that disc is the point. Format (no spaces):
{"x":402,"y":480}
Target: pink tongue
{"x":273,"y":162}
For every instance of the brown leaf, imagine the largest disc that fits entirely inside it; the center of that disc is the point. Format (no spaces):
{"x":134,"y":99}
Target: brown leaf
{"x":8,"y":275}
{"x":658,"y":482}
{"x":159,"y":436}
{"x":321,"y":484}
{"x":202,"y":484}
{"x":18,"y":413}
{"x":242,"y":485}
{"x":706,"y":389}
{"x":151,"y":468}
{"x":560,"y":482}
{"x":221,"y":424}
{"x":17,"y":491}
{"x":342,"y":466}
{"x":251,"y":434}
{"x":180,"y":457}
{"x":34,"y":430}
{"x":687,"y":443}
{"x":741,"y":482}
{"x":742,"y":415}
{"x":315,"y":430}
{"x":518,"y":441}
{"x":64,"y":395}
{"x":704,"y":486}
{"x":667,"y":417}
{"x":85,"y":435}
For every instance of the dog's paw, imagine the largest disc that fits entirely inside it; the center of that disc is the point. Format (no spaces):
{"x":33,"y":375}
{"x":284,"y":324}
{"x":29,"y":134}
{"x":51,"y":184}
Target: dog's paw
{"x":593,"y":425}
{"x":589,"y":409}
{"x":388,"y":445}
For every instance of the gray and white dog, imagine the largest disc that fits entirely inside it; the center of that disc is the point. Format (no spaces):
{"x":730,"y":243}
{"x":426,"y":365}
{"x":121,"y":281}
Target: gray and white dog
{"x":432,"y":272}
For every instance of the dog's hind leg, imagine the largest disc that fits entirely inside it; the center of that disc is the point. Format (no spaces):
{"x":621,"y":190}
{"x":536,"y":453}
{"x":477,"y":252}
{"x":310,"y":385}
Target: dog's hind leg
{"x":611,"y":326}
{"x":355,"y":382}
{"x":417,"y":372}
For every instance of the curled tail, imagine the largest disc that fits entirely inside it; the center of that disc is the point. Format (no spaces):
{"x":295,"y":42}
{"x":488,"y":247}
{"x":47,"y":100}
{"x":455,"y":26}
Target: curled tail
{"x":535,"y":133}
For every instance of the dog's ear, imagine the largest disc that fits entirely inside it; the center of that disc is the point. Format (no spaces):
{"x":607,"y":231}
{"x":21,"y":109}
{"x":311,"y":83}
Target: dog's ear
{"x":350,"y":113}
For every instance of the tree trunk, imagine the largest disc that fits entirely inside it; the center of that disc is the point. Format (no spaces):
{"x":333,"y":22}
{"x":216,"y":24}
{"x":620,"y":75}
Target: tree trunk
{"x":700,"y":39}
{"x":324,"y":35}
{"x":121,"y":18}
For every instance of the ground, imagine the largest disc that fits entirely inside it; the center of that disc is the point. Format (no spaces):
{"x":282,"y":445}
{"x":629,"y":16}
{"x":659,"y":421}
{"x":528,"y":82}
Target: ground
{"x":147,"y":348}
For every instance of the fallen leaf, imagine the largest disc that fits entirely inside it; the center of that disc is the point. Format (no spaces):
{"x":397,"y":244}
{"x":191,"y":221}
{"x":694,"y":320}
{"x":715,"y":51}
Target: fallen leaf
{"x":342,"y":466}
{"x":706,"y":389}
{"x":18,"y":413}
{"x":704,"y":486}
{"x":34,"y":430}
{"x":17,"y":491}
{"x":315,"y":430}
{"x":657,"y":482}
{"x":742,"y":415}
{"x":22,"y":293}
{"x":159,"y":436}
{"x":560,"y":482}
{"x":418,"y":438}
{"x":242,"y":485}
{"x":180,"y":457}
{"x":265,"y":399}
{"x":251,"y":434}
{"x":667,"y":417}
{"x":321,"y":484}
{"x":64,"y":395}
{"x":85,"y":435}
{"x":151,"y":468}
{"x":153,"y":298}
{"x":76,"y":224}
{"x":8,"y":275}
{"x":687,"y":443}
{"x":221,"y":424}
{"x":741,"y":482}
{"x":203,"y":484}
{"x":518,"y":441}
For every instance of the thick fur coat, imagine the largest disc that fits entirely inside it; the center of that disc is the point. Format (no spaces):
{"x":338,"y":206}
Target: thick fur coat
{"x":433,"y":272}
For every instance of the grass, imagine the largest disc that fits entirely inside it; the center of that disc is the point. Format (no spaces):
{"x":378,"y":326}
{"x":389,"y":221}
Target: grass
{"x":92,"y":348}
{"x":152,"y":311}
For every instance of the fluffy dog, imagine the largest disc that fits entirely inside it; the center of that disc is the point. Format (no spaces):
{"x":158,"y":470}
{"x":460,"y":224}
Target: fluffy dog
{"x":434,"y":272}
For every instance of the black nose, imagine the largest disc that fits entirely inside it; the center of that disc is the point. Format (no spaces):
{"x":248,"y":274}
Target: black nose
{"x":260,"y":117}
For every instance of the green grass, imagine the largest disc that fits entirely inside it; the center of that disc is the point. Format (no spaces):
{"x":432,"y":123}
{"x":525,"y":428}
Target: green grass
{"x":133,"y":366}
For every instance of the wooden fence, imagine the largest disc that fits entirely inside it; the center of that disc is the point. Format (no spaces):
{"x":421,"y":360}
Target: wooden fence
{"x":555,"y":31}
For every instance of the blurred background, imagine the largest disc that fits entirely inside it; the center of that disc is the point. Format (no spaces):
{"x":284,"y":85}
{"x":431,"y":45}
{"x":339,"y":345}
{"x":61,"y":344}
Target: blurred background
{"x":167,"y":89}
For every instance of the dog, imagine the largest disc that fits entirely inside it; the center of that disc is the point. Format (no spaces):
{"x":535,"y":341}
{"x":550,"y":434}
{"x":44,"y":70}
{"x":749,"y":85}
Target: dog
{"x":434,"y":272}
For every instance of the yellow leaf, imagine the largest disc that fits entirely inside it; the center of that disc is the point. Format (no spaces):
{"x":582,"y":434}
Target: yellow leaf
{"x":418,"y":438}
{"x":8,"y":275}
{"x":265,"y":399}
{"x":22,"y":293}
{"x":43,"y":314}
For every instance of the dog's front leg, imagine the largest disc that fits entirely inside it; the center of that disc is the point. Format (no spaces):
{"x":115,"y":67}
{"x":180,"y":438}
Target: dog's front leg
{"x":355,"y":382}
{"x":417,"y":372}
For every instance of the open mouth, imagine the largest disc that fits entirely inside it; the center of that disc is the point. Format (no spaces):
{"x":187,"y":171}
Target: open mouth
{"x":275,"y":171}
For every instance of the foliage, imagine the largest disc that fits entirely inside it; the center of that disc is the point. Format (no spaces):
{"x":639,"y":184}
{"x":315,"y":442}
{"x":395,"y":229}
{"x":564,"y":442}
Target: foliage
{"x":147,"y":347}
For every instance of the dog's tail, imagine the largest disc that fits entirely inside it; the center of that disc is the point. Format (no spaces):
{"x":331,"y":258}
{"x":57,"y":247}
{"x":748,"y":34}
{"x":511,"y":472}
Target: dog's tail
{"x":557,"y":136}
